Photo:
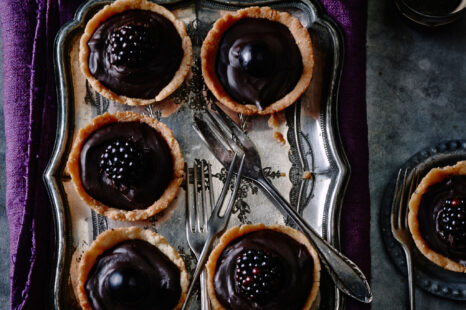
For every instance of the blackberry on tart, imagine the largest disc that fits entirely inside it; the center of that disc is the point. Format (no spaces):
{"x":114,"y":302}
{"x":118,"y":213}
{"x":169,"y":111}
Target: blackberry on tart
{"x":126,"y":166}
{"x":130,"y":268}
{"x":135,"y":52}
{"x":437,"y":216}
{"x":257,"y":60}
{"x":263,"y":267}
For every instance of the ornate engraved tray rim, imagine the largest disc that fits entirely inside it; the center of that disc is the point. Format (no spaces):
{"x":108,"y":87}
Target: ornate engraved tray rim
{"x":339,"y":172}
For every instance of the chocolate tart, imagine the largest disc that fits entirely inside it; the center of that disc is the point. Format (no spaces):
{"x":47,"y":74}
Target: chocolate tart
{"x":126,"y":166}
{"x":131,"y":268}
{"x":437,"y":216}
{"x":135,"y":52}
{"x":276,"y":262}
{"x":257,"y":60}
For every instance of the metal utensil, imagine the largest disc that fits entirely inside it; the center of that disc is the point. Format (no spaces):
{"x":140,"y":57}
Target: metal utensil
{"x":223,"y":137}
{"x":399,"y":221}
{"x":197,"y":214}
{"x":219,"y":218}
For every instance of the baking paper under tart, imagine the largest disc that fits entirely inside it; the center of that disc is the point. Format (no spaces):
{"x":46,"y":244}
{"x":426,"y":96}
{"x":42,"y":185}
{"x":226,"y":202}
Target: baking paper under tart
{"x":238,"y":231}
{"x":120,"y":6}
{"x":114,"y":213}
{"x":434,"y":176}
{"x":110,"y":239}
{"x":210,"y":48}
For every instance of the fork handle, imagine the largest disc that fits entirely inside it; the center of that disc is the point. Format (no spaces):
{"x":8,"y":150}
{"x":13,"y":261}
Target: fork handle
{"x":409,"y":265}
{"x":205,"y":303}
{"x":346,"y":275}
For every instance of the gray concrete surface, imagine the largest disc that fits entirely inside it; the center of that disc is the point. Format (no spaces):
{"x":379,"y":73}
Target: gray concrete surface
{"x":416,"y":97}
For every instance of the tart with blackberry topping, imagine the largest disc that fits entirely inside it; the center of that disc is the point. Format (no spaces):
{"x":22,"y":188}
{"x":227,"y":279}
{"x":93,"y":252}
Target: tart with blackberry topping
{"x":263,"y":267}
{"x":131,"y":268}
{"x":257,"y":60}
{"x":437,"y":216}
{"x":126,"y":166}
{"x":135,"y":52}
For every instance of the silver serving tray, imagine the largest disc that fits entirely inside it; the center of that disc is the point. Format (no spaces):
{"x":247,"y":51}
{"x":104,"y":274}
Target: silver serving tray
{"x":310,"y":126}
{"x":427,"y":275}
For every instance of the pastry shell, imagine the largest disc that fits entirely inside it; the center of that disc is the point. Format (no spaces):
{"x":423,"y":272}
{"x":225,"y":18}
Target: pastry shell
{"x":120,"y":6}
{"x":210,"y":48}
{"x":113,"y":237}
{"x":238,"y":231}
{"x":115,"y":213}
{"x":434,"y":176}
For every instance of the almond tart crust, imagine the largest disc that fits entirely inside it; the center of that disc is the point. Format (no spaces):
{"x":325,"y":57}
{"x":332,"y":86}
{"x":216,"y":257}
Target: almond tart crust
{"x":210,"y":49}
{"x":120,"y":6}
{"x":434,"y":176}
{"x":238,"y":231}
{"x":113,"y":237}
{"x":114,"y":213}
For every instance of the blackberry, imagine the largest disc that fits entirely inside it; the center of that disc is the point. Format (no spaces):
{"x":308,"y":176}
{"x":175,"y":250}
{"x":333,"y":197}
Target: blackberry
{"x":121,"y":162}
{"x":131,"y":45}
{"x":451,"y":222}
{"x":257,"y":274}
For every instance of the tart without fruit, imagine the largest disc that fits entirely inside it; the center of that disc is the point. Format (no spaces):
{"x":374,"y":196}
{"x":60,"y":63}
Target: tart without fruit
{"x":437,"y":216}
{"x":131,"y":268}
{"x":135,"y":52}
{"x":257,"y":60}
{"x":263,"y":267}
{"x":126,"y":166}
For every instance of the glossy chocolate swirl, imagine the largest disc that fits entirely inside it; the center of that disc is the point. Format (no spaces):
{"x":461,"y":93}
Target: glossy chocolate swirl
{"x":135,"y":53}
{"x":258,"y":62}
{"x":133,"y":275}
{"x":150,"y":177}
{"x":437,"y":199}
{"x":297,"y":268}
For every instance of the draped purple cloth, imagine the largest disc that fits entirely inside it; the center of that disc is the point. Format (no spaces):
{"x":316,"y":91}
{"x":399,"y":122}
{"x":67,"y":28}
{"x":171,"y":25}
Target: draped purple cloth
{"x":30,"y":106}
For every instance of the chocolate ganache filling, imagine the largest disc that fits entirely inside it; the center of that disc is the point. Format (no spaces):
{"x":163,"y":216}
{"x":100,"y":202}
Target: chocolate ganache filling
{"x":133,"y":275}
{"x":258,"y":62}
{"x":126,"y":165}
{"x":442,"y":218}
{"x":135,"y":53}
{"x":264,"y":270}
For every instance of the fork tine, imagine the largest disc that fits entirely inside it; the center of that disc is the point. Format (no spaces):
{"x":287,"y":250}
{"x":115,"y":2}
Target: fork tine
{"x":211,"y":187}
{"x":395,"y":201}
{"x":196,"y":195}
{"x":189,"y":222}
{"x":203,"y":216}
{"x":223,"y":131}
{"x":402,"y":198}
{"x":412,"y":187}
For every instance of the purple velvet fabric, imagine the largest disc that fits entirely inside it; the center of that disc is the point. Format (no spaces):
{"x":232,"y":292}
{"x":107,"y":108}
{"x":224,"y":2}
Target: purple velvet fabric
{"x":29,"y":28}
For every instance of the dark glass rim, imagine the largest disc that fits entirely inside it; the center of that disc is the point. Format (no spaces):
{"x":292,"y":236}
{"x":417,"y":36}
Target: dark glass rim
{"x":432,"y":17}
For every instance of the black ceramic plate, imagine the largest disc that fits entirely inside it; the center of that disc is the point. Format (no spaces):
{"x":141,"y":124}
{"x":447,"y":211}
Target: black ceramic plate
{"x":427,"y":275}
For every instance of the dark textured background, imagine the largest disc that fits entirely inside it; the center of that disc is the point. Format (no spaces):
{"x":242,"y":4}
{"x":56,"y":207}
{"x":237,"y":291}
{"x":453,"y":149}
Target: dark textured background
{"x":416,"y":97}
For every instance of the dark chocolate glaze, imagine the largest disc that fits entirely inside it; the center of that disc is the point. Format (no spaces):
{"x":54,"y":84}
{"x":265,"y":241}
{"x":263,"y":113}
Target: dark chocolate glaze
{"x":282,"y":76}
{"x":143,"y":81}
{"x":157,"y":168}
{"x":431,"y":203}
{"x":297,"y":264}
{"x":161,"y":277}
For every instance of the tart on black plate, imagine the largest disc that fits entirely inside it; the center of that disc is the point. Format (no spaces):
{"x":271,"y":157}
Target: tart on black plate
{"x":437,"y":216}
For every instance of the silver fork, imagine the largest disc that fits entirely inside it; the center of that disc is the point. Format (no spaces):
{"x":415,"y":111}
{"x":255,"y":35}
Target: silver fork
{"x":223,"y":137}
{"x":218,"y":219}
{"x":197,"y":213}
{"x":399,"y":221}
